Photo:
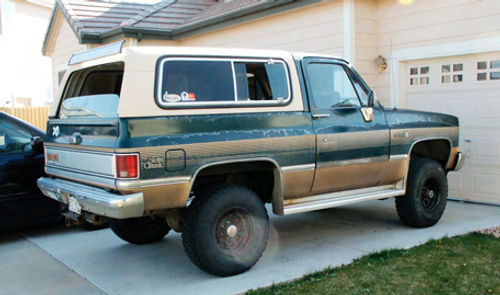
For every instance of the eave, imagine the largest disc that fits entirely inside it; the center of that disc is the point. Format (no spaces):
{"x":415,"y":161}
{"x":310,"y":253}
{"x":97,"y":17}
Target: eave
{"x":198,"y":27}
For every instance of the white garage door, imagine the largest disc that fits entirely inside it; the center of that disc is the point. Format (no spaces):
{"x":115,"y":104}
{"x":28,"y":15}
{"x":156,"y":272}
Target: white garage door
{"x":467,"y":87}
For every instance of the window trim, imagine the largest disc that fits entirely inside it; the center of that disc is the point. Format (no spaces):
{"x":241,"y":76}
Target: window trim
{"x":219,"y":104}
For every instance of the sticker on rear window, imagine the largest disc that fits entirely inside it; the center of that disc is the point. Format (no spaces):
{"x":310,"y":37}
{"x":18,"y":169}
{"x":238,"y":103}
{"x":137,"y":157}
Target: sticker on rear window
{"x":171,"y":97}
{"x":188,"y":96}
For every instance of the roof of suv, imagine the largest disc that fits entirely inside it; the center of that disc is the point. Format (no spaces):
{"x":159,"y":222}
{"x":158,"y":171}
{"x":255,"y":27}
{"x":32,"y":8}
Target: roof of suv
{"x":116,"y":52}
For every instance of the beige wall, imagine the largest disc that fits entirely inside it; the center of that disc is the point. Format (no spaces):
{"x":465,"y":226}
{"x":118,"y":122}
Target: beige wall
{"x":64,"y":46}
{"x":315,"y":28}
{"x":24,"y":71}
{"x":366,"y":44}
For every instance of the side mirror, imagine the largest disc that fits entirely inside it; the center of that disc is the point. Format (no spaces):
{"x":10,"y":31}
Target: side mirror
{"x":37,"y":144}
{"x":367,"y":111}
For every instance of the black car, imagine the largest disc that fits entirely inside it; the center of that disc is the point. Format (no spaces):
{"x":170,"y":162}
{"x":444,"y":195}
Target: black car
{"x":21,"y":164}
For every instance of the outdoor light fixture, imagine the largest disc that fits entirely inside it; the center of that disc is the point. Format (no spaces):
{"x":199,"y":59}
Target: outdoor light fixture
{"x":381,"y":63}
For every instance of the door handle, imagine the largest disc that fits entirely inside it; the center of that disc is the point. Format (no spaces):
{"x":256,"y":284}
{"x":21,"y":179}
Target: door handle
{"x":318,"y":116}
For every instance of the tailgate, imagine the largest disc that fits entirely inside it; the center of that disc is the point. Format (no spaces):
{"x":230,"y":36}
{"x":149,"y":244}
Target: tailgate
{"x":82,"y":150}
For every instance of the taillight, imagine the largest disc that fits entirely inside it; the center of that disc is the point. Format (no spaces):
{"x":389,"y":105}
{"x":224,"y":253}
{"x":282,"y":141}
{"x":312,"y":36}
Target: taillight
{"x":127,"y":166}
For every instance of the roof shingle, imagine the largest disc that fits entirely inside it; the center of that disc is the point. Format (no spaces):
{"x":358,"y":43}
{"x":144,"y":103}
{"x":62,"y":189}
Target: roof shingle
{"x":93,"y":19}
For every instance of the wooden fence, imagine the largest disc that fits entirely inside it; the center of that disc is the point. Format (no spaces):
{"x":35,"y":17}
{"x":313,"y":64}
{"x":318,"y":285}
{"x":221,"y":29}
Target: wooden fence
{"x":36,"y":116}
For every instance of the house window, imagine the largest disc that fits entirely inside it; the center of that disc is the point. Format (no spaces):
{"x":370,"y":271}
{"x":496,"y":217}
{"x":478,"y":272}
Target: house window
{"x":419,"y":75}
{"x":488,"y":70}
{"x":452,"y":73}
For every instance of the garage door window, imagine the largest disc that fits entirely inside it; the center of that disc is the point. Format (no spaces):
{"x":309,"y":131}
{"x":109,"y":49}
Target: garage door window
{"x":488,"y":70}
{"x":419,"y":75}
{"x":452,"y":73}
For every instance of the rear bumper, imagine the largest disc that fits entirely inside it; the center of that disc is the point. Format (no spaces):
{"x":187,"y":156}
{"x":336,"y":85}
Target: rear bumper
{"x":459,"y":162}
{"x":95,"y":200}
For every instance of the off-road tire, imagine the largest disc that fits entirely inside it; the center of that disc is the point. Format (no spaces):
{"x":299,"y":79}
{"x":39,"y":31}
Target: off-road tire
{"x":208,"y":239}
{"x":426,"y":194}
{"x":142,"y":230}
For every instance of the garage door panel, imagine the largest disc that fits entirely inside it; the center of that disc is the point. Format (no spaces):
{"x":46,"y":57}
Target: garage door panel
{"x":476,"y":103}
{"x":481,"y":146}
{"x":455,"y":181}
{"x":484,"y":198}
{"x":487,"y":109}
{"x":487,"y":183}
{"x":487,"y":147}
{"x":451,"y":106}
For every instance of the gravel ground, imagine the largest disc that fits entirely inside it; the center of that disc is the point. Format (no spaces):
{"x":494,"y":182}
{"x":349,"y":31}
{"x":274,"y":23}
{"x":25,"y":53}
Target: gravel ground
{"x":492,"y":231}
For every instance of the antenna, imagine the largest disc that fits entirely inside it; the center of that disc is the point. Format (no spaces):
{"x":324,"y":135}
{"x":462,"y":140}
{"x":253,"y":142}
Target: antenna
{"x":393,"y":75}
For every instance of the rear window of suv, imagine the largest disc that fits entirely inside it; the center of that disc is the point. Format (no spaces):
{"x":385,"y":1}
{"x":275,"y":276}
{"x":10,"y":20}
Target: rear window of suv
{"x":93,"y":92}
{"x":184,"y":82}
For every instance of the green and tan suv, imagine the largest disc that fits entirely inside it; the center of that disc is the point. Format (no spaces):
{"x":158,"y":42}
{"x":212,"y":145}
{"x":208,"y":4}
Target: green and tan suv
{"x":199,"y":139}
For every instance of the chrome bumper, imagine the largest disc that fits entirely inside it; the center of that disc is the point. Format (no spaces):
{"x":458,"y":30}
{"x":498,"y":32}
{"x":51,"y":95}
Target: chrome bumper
{"x":93,"y":199}
{"x":460,"y":162}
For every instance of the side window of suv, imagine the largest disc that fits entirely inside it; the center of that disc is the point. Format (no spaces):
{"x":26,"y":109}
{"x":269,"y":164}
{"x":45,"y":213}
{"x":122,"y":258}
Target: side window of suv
{"x":13,"y":138}
{"x":331,"y":86}
{"x":193,"y":80}
{"x":361,"y":88}
{"x":260,"y":81}
{"x":221,"y":82}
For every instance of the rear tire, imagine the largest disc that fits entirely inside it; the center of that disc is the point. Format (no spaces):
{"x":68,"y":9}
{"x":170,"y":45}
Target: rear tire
{"x":226,"y":233}
{"x":426,"y":194}
{"x":142,"y":230}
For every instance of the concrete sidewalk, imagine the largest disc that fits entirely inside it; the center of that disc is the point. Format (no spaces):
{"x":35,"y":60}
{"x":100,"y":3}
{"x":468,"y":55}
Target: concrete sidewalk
{"x":74,"y":261}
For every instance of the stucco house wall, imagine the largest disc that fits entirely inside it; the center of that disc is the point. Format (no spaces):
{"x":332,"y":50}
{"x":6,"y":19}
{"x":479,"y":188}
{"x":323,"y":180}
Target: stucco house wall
{"x":63,"y":46}
{"x":25,"y":73}
{"x":315,"y":28}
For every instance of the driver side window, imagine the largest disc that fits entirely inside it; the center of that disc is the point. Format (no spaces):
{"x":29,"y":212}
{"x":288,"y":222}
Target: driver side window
{"x":13,"y":138}
{"x":330,"y":86}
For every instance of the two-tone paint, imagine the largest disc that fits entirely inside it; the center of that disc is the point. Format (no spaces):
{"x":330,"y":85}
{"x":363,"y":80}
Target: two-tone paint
{"x":316,"y":154}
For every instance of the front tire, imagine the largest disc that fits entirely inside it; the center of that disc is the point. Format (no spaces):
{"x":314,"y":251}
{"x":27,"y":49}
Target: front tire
{"x":226,"y":233}
{"x":142,"y":230}
{"x":426,"y":194}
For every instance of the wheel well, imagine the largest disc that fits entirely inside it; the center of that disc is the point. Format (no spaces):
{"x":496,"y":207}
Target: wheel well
{"x":437,"y":149}
{"x":258,"y":176}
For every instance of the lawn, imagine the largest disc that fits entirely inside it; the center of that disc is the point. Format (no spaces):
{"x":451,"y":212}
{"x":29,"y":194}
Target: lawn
{"x":467,"y":264}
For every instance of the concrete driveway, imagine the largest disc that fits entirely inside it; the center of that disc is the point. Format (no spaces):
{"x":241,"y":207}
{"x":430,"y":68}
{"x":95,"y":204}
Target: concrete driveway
{"x":56,"y":260}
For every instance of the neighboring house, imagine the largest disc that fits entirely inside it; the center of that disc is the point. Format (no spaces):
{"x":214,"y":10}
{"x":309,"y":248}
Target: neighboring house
{"x":435,"y":55}
{"x":25,"y":74}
